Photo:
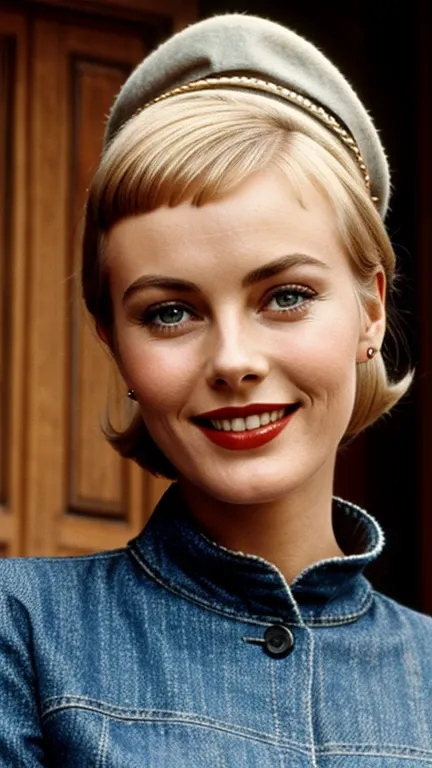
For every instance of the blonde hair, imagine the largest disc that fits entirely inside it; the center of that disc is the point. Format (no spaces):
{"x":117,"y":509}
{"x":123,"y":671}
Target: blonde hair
{"x":200,"y":147}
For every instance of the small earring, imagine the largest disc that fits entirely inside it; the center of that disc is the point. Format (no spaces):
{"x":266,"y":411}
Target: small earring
{"x":131,"y":394}
{"x":371,"y":352}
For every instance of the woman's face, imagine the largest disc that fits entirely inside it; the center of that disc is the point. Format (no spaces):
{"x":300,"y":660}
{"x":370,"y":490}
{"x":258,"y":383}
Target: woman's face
{"x":247,"y":304}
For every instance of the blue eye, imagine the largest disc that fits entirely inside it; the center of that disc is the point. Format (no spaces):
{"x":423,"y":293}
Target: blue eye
{"x":170,"y":315}
{"x":167,"y":317}
{"x":292,"y":297}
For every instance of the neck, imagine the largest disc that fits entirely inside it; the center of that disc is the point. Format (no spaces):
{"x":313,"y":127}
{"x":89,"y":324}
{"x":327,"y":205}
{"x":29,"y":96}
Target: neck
{"x":293,"y":532}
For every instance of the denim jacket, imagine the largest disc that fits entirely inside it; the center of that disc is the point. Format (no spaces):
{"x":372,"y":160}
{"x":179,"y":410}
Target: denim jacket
{"x":177,"y":653}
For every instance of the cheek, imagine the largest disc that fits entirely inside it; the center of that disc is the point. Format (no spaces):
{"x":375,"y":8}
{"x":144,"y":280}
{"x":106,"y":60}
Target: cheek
{"x":162,"y":374}
{"x":322,"y":358}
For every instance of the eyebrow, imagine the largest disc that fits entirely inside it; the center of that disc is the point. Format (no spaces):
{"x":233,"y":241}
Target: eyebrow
{"x":256,"y":276}
{"x":285,"y":262}
{"x":158,"y":281}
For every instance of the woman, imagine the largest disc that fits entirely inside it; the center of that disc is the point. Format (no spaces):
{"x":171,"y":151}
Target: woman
{"x":236,"y":265}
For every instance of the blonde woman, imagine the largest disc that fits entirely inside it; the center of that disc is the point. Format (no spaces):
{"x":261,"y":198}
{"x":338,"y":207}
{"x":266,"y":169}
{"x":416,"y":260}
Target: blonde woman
{"x":236,"y":264}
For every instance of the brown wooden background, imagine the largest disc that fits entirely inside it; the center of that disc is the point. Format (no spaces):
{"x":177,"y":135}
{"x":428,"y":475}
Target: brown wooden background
{"x":62,"y":490}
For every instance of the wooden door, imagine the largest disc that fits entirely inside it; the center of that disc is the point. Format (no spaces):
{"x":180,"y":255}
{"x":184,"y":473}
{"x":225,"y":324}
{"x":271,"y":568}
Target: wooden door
{"x":63,"y":490}
{"x":13,"y":204}
{"x":79,"y":494}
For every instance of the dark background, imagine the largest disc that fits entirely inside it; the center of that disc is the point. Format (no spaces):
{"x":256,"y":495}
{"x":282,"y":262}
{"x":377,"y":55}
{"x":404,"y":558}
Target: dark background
{"x":378,"y":47}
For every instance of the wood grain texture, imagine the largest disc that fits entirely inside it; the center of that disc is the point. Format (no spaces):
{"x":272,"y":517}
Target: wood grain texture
{"x":72,"y":469}
{"x":63,"y":489}
{"x":47,"y":341}
{"x":96,"y":474}
{"x":7,"y":73}
{"x":13,"y":27}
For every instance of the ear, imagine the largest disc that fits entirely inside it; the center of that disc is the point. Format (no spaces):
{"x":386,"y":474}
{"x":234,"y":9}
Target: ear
{"x":373,"y":318}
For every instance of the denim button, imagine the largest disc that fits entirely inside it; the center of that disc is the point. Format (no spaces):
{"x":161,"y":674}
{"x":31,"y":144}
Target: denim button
{"x":278,"y":641}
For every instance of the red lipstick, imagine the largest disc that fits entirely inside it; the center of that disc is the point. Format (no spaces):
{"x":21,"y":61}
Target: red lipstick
{"x":241,"y":411}
{"x":247,"y":439}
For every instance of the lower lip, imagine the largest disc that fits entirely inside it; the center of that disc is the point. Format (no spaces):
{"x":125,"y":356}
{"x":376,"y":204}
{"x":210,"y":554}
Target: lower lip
{"x":249,"y":439}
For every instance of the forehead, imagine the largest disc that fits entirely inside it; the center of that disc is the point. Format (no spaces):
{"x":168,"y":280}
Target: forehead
{"x":263,"y":219}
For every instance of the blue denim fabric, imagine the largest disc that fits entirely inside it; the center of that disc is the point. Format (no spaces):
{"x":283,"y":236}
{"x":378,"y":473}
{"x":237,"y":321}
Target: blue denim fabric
{"x":144,"y":658}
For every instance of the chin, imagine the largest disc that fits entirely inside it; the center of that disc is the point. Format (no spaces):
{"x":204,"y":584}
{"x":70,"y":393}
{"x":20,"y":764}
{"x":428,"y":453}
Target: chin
{"x":248,"y":488}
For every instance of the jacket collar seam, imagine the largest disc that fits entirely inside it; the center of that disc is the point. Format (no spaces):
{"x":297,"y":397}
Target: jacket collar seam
{"x":250,"y":619}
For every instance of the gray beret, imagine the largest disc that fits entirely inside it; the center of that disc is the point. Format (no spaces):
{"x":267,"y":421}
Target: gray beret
{"x":237,"y":45}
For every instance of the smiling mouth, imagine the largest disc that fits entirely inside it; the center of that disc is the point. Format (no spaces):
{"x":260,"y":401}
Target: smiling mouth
{"x":242,"y":433}
{"x":248,"y":423}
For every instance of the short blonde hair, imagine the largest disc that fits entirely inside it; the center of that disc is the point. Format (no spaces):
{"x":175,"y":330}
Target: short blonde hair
{"x":200,"y":147}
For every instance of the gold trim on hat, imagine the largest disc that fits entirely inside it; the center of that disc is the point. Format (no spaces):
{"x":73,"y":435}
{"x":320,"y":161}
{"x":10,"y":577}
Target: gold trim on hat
{"x":266,"y":86}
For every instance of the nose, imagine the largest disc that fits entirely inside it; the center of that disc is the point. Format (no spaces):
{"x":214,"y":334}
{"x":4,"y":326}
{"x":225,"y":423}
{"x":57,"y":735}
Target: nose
{"x":234,"y":359}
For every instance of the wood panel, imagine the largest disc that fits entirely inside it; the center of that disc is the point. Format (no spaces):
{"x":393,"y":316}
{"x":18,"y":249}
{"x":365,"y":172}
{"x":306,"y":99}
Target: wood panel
{"x":13,"y":121}
{"x":97,"y":478}
{"x":7,"y":67}
{"x":80,"y":496}
{"x":62,"y":488}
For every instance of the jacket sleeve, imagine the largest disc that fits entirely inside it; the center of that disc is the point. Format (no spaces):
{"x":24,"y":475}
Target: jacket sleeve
{"x":20,"y":727}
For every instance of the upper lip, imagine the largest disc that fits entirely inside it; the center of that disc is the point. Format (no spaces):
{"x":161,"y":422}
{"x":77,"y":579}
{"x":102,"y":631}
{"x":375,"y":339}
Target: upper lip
{"x":233,"y":412}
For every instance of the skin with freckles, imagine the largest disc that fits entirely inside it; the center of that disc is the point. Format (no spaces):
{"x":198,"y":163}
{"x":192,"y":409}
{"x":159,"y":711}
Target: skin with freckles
{"x":249,"y":299}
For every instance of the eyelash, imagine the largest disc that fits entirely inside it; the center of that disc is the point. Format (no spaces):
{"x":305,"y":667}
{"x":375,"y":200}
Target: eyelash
{"x":307,"y":294}
{"x":149,"y":316}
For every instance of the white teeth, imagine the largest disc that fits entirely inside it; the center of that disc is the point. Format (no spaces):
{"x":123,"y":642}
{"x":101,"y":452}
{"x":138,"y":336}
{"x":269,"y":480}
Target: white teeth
{"x":238,"y":425}
{"x":250,"y":422}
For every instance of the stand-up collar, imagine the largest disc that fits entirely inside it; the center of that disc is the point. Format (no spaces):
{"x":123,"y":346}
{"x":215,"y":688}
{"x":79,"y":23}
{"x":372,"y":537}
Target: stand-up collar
{"x":334,"y":591}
